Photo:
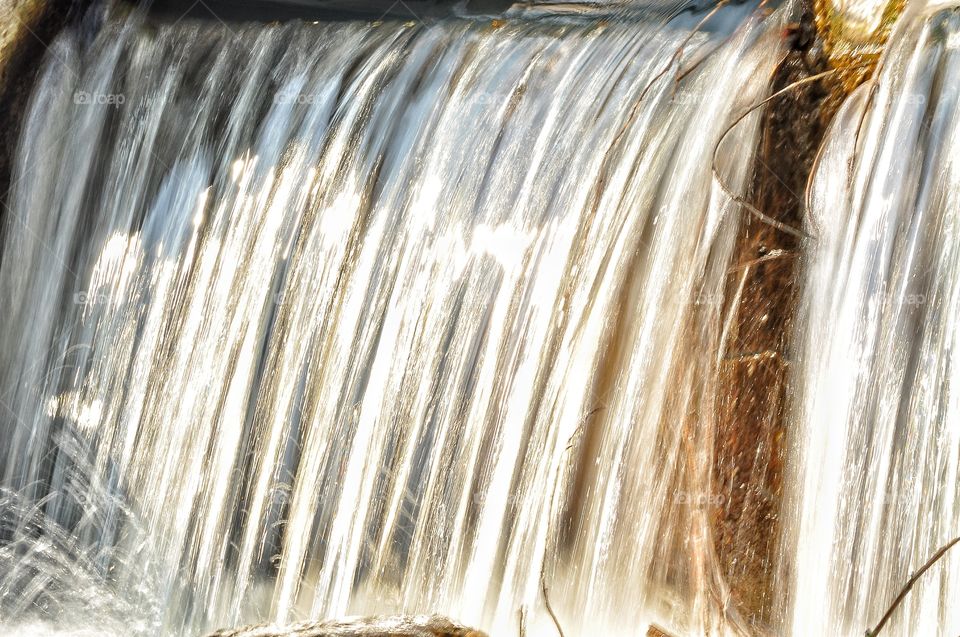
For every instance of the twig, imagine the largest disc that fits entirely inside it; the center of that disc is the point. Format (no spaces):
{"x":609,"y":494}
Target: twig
{"x":716,"y":149}
{"x":553,"y":496}
{"x":523,"y":623}
{"x":808,"y":188}
{"x":546,"y":601}
{"x":681,"y":75}
{"x":679,"y":52}
{"x":871,"y":95}
{"x":580,"y":427}
{"x":910,"y":582}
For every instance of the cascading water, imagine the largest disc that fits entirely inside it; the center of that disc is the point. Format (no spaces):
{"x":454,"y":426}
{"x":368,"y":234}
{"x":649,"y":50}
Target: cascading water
{"x":316,"y":320}
{"x":877,"y":453}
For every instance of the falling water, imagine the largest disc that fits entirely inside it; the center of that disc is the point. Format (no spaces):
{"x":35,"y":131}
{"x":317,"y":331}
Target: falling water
{"x":348,"y":318}
{"x":877,"y":454}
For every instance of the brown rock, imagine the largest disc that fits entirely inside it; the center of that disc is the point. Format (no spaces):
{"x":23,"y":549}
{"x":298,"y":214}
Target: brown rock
{"x":406,"y":626}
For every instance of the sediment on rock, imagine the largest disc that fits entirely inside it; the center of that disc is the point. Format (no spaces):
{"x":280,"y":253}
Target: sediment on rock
{"x":749,"y":452}
{"x":412,"y":626}
{"x":761,"y":284}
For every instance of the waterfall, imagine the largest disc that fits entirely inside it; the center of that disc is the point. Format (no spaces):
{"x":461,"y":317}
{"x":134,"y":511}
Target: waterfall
{"x":375,"y":318}
{"x":877,"y":432}
{"x":311,"y":320}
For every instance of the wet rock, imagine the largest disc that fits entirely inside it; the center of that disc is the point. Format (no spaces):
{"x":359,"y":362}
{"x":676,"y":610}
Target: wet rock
{"x":27,"y":27}
{"x":753,"y":403}
{"x":657,"y":631}
{"x":411,"y":626}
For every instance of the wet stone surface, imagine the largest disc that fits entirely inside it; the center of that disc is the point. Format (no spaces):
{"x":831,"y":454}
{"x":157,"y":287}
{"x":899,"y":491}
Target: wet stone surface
{"x":414,"y":626}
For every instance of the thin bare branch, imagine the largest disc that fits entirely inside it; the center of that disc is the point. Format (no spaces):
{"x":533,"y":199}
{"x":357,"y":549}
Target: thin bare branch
{"x":680,"y":49}
{"x":756,"y":212}
{"x":553,"y":496}
{"x":546,"y":601}
{"x":910,"y":582}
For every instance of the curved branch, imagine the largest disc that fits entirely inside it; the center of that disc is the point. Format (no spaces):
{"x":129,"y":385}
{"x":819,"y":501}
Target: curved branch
{"x":756,"y":212}
{"x":910,"y":582}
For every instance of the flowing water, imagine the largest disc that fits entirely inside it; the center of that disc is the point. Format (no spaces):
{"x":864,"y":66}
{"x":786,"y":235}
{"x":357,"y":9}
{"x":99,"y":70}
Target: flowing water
{"x":316,"y":320}
{"x":877,"y":451}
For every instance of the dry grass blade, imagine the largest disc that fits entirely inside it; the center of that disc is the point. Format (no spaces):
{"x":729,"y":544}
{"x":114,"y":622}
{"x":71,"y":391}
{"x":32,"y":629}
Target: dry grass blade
{"x":553,"y":495}
{"x":910,"y":582}
{"x":679,"y":52}
{"x":759,"y":214}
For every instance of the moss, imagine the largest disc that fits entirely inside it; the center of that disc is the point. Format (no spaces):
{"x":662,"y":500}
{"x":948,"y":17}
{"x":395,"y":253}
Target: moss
{"x":851,"y":43}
